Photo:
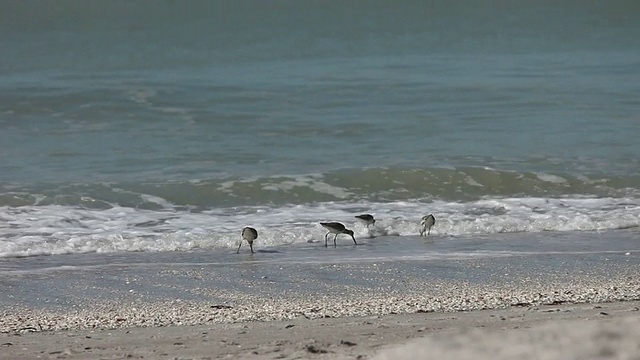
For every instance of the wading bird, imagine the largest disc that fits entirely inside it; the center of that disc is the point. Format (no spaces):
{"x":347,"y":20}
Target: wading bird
{"x":336,"y":228}
{"x":427,"y":222}
{"x":249,"y":234}
{"x":367,"y":219}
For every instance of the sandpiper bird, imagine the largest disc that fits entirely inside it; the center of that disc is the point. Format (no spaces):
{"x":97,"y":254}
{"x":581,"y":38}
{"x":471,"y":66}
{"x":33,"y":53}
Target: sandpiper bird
{"x":367,"y":219}
{"x":336,"y":228}
{"x":427,"y":222}
{"x":249,"y":234}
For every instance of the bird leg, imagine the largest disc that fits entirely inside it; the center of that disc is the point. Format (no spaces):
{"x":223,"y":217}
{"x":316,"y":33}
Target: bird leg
{"x":334,"y":240}
{"x":237,"y":251}
{"x":325,"y":238}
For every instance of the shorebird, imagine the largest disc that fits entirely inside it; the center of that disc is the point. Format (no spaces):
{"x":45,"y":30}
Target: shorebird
{"x":336,"y":228}
{"x":427,"y":222}
{"x":249,"y":234}
{"x":367,"y":219}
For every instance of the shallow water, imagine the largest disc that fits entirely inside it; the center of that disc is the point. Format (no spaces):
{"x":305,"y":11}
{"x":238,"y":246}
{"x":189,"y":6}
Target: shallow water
{"x":389,"y":264}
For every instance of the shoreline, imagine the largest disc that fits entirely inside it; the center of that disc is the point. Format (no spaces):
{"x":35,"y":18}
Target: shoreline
{"x":393,"y":336}
{"x":341,"y":307}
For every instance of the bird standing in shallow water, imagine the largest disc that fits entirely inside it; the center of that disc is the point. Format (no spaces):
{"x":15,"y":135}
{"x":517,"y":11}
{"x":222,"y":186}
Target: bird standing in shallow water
{"x":336,"y":228}
{"x":367,"y":219}
{"x":249,"y":234}
{"x":427,"y":222}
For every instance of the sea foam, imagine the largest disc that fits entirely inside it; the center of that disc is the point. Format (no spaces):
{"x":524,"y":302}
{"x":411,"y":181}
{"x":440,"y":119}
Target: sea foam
{"x":57,"y":229}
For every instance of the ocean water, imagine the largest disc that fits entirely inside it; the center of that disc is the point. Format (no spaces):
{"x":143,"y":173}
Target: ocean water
{"x":164,"y":127}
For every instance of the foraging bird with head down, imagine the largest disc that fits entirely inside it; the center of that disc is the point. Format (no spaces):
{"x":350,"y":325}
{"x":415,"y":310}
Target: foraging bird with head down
{"x":427,"y":222}
{"x":249,"y":234}
{"x":367,"y":219}
{"x":336,"y":228}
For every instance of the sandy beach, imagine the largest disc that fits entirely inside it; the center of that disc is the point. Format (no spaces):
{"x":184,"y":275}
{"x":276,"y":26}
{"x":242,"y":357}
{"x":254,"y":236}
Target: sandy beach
{"x":564,"y":331}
